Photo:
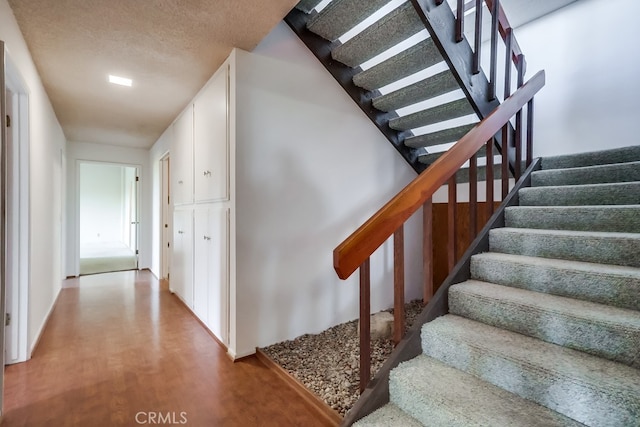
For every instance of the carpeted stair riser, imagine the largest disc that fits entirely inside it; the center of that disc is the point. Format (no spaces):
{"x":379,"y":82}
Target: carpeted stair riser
{"x":589,"y":389}
{"x":388,"y":415}
{"x":419,"y":57}
{"x":623,"y":172}
{"x":342,"y":15}
{"x":439,"y":137}
{"x":307,"y":6}
{"x":625,"y":193}
{"x":617,"y":155}
{"x":431,"y":87}
{"x":393,"y":28}
{"x":604,"y":284}
{"x":618,"y":218}
{"x":438,"y":395}
{"x":440,"y":113}
{"x":429,"y":158}
{"x":597,"y":247}
{"x":608,"y":332}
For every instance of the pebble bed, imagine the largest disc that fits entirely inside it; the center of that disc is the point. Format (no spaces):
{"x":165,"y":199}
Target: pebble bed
{"x":328,"y":363}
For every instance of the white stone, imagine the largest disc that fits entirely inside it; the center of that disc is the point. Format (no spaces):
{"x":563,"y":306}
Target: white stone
{"x":381,"y":325}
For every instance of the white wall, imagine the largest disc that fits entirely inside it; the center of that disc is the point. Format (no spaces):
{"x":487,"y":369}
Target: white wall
{"x":47,"y":146}
{"x":101,"y":203}
{"x":310,"y":169}
{"x":591,"y":56}
{"x":78,"y":151}
{"x":157,"y":152}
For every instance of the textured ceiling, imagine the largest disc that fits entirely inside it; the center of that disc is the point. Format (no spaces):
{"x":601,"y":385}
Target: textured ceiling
{"x":169,"y":49}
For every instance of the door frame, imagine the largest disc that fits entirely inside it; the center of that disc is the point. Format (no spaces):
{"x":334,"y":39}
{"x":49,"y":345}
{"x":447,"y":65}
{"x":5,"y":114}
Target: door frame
{"x":18,"y":214}
{"x":139,"y":172}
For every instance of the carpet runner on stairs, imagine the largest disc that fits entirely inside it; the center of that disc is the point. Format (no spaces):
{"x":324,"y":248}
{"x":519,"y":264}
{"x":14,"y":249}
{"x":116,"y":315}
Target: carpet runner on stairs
{"x":547,"y":330}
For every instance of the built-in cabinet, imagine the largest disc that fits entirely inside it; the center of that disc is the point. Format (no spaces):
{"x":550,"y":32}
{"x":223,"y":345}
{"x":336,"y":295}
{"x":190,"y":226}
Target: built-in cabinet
{"x":211,"y":142}
{"x":181,"y":278}
{"x":203,"y":205}
{"x":182,"y":159}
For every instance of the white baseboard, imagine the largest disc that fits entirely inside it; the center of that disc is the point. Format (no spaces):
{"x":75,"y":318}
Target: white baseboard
{"x":36,"y":340}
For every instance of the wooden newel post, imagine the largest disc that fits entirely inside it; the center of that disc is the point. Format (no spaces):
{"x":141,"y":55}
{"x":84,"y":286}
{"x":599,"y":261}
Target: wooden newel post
{"x":365,"y":327}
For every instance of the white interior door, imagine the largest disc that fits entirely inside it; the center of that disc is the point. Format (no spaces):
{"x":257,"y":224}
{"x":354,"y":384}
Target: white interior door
{"x":165,"y":214}
{"x":3,"y":195}
{"x":134,"y":226}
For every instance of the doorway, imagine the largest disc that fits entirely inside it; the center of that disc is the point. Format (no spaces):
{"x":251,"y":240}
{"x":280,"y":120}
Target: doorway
{"x":109,"y":224}
{"x":165,"y":217}
{"x":16,"y":208}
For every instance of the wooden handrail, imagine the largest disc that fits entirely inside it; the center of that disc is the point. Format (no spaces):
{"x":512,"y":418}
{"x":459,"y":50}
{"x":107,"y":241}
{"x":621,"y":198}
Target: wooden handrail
{"x":359,"y":246}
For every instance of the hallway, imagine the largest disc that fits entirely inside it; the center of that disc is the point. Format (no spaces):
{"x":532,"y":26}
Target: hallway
{"x":120,"y":346}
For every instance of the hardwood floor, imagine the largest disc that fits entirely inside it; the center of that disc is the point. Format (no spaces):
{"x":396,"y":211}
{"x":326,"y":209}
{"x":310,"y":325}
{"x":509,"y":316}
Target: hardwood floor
{"x":120,"y":346}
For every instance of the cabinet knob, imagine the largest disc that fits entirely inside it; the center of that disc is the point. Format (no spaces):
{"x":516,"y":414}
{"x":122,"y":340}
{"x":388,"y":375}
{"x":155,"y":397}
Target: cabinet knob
{"x":207,"y":238}
{"x":206,"y":173}
{"x":180,"y":232}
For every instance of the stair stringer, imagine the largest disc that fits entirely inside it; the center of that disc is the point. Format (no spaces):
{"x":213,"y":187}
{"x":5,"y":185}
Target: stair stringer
{"x":376,"y":394}
{"x":439,"y":20}
{"x":297,"y":21}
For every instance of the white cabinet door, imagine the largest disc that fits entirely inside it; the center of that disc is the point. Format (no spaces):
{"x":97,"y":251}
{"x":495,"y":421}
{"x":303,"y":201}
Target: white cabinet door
{"x":211,"y":141}
{"x":182,"y":159}
{"x":201,"y":265}
{"x":211,"y":269}
{"x":218,"y":259}
{"x":181,"y":280}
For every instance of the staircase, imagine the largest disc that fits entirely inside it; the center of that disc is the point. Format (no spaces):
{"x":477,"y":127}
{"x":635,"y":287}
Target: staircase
{"x":546,"y":332}
{"x":421,"y":91}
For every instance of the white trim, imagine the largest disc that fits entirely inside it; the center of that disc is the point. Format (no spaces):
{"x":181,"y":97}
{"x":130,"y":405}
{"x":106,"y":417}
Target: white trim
{"x":19,"y":304}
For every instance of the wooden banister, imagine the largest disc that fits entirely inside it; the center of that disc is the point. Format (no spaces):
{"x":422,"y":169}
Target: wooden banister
{"x":359,"y":246}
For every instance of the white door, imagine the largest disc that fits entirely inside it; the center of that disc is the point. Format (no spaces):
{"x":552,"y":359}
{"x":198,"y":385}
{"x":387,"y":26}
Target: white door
{"x":218,"y":261}
{"x":165,"y":214}
{"x":182,"y":256}
{"x":211,"y":140}
{"x":201,"y":264}
{"x":182,"y":159}
{"x":3,"y":182}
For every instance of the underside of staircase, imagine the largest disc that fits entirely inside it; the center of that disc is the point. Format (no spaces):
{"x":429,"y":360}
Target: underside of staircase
{"x":420,"y":93}
{"x":546,"y":332}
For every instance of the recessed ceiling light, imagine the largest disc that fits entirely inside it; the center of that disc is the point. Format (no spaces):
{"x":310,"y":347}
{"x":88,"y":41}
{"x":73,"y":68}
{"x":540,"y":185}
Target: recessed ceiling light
{"x":122,"y":81}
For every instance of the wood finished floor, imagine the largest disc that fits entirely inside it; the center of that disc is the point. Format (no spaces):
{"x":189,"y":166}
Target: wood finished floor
{"x":120,"y":343}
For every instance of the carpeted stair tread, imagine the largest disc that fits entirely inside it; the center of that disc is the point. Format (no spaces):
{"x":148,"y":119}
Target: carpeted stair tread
{"x":428,"y":88}
{"x":609,"y":332}
{"x":616,"y":155}
{"x":418,"y":57}
{"x":600,"y":283}
{"x":388,"y":416}
{"x":624,"y":193}
{"x":618,"y":218}
{"x":586,"y":246}
{"x":307,"y":6}
{"x":600,"y":174}
{"x":440,"y":137}
{"x":438,"y":395}
{"x":437,"y":114}
{"x":589,"y":389}
{"x":390,"y":30}
{"x":342,"y":15}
